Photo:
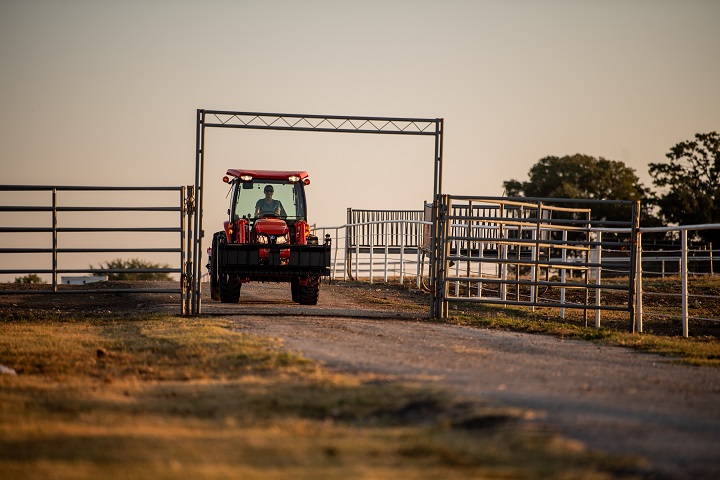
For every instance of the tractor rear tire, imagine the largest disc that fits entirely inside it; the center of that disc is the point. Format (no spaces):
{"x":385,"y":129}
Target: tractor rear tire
{"x":229,"y":289}
{"x":308,"y":294}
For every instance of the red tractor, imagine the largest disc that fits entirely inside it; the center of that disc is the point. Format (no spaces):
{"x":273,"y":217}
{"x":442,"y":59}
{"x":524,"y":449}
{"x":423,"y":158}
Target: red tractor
{"x":267,"y":238}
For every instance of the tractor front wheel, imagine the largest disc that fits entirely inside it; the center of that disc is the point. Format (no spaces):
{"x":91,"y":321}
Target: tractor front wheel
{"x":309,"y":292}
{"x":229,"y":288}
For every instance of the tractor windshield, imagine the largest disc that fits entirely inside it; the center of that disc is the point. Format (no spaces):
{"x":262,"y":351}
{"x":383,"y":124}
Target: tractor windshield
{"x":269,"y":198}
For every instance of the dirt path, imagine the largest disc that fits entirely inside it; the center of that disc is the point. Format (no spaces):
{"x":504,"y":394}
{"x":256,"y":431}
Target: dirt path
{"x":611,"y":399}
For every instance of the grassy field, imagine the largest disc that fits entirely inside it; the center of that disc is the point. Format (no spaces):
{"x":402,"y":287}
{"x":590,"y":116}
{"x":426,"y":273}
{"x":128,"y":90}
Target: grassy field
{"x":168,"y":397}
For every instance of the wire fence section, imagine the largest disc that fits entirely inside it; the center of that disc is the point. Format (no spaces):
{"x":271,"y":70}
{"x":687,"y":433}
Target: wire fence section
{"x":47,"y":231}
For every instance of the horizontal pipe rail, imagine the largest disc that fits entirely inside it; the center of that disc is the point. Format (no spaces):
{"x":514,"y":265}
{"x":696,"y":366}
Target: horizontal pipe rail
{"x":90,"y":250}
{"x":85,"y":291}
{"x":532,"y":201}
{"x":21,"y":208}
{"x":89,"y":229}
{"x":579,"y":286}
{"x":90,"y":270}
{"x":529,"y":241}
{"x":554,"y":304}
{"x":183,"y":206}
{"x":84,"y":188}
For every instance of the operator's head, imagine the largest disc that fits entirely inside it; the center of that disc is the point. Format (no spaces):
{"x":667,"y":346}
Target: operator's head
{"x":269,"y":189}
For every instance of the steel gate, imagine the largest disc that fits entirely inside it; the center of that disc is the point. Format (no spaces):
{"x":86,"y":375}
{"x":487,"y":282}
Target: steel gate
{"x":55,"y":227}
{"x":515,"y":251}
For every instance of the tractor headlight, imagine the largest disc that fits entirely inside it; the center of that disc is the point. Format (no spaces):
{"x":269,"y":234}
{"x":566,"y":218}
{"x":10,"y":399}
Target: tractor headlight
{"x":280,"y":240}
{"x":262,"y":238}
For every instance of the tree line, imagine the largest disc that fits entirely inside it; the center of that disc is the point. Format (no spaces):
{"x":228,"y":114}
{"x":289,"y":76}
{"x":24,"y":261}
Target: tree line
{"x":116,"y":264}
{"x":687,"y":185}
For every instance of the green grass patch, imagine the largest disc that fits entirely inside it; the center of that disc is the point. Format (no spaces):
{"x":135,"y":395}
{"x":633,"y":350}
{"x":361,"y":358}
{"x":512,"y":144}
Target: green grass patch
{"x":168,"y":397}
{"x":698,"y":350}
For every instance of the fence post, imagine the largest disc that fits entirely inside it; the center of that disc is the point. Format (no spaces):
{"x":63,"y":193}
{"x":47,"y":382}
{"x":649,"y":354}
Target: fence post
{"x":357,"y":255}
{"x":418,"y":269}
{"x":183,"y":233}
{"x":635,"y":243}
{"x":711,"y":260}
{"x":348,"y":243}
{"x":534,"y":268}
{"x":638,"y":285}
{"x":598,"y":277}
{"x":54,"y":240}
{"x":481,"y":255}
{"x":190,"y":298}
{"x":563,"y":273}
{"x":402,"y":253}
{"x":684,"y":281}
{"x":503,"y":256}
{"x":468,"y":249}
{"x":387,"y":239}
{"x":372,"y":250}
{"x":448,"y":212}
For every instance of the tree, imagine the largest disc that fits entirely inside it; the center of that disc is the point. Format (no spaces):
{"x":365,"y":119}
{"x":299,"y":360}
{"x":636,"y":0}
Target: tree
{"x":584,"y":177}
{"x":135,"y":263}
{"x":32,"y":278}
{"x":691,"y":180}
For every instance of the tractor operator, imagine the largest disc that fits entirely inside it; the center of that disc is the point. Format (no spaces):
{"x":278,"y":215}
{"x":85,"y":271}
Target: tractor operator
{"x":269,"y":206}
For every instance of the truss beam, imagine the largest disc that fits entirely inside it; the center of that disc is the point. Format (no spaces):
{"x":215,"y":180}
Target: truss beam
{"x":320,"y":123}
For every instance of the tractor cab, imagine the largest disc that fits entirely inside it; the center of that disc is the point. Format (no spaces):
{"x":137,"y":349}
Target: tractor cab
{"x":267,"y":206}
{"x":259,"y":194}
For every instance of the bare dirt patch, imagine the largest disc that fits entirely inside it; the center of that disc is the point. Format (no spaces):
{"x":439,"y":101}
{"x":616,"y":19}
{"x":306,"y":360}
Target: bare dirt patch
{"x":97,"y":299}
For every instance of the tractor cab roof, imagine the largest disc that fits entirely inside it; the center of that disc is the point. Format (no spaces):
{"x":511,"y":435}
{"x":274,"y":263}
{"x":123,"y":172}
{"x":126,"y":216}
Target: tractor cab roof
{"x":287,"y":175}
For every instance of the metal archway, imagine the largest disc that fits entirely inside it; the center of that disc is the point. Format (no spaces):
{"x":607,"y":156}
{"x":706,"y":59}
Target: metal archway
{"x":307,"y":123}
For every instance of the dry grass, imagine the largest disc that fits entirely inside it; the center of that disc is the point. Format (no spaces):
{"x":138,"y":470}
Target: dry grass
{"x":168,"y":397}
{"x":661,"y":335}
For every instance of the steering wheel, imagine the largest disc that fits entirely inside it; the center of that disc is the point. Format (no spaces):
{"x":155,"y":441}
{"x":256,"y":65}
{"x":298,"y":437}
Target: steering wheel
{"x":268,"y":215}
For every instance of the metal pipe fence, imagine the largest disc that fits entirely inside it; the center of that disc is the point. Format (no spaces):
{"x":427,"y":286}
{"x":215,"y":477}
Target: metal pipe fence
{"x":387,"y":257}
{"x":684,"y":272}
{"x":49,"y":234}
{"x":527,"y":252}
{"x":501,"y":271}
{"x":496,"y":250}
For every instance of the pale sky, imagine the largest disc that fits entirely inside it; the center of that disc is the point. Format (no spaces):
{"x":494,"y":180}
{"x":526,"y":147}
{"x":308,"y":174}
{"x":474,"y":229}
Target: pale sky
{"x":105,"y":92}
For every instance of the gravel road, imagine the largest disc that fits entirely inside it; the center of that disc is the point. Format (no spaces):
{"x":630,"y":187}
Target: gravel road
{"x":611,"y":399}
